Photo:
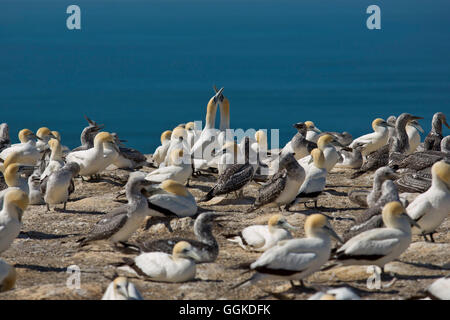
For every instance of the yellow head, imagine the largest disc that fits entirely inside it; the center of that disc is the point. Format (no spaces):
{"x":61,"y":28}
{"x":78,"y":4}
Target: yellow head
{"x":54,"y":144}
{"x":25,"y":135}
{"x":391,"y":212}
{"x":309,"y":124}
{"x":260,"y":136}
{"x":315,"y":222}
{"x":43,"y":132}
{"x":179,"y":132}
{"x":102,"y":137}
{"x":190,"y":126}
{"x":318,"y":158}
{"x":376,"y":123}
{"x":10,"y":280}
{"x":276,"y":219}
{"x":18,"y":198}
{"x":174,"y":187}
{"x":184,"y":249}
{"x":166,"y":135}
{"x":324,"y":140}
{"x":56,"y":135}
{"x":441,"y":170}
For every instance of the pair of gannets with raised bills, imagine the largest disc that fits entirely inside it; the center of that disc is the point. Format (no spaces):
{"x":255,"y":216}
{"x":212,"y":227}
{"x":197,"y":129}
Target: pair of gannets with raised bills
{"x":296,"y":259}
{"x":261,"y":238}
{"x":159,"y":266}
{"x":122,"y":289}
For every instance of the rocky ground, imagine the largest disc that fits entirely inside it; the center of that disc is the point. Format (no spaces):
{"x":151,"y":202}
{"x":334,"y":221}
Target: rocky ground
{"x":46,"y":247}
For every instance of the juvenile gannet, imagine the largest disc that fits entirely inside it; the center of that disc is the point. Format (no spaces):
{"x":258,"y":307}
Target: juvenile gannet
{"x":375,"y":140}
{"x":313,"y":132}
{"x":335,"y":294}
{"x":5,"y":141}
{"x":314,"y":182}
{"x":282,"y":188}
{"x":29,"y":154}
{"x":178,"y":169}
{"x":366,"y":198}
{"x":234,"y":178}
{"x":44,"y":134}
{"x":433,"y":139}
{"x":7,"y":276}
{"x":14,"y":204}
{"x":92,"y":161}
{"x":208,"y":138}
{"x":171,"y":199}
{"x":299,"y":145}
{"x":160,"y":153}
{"x":413,"y":130}
{"x":431,"y":208}
{"x":229,"y":155}
{"x":88,"y":134}
{"x":121,"y":223}
{"x":56,"y":158}
{"x":351,"y":158}
{"x":122,"y":289}
{"x":205,"y":246}
{"x":296,"y":259}
{"x":159,"y":266}
{"x":415,"y":182}
{"x":58,"y":186}
{"x":260,"y":237}
{"x":379,"y":246}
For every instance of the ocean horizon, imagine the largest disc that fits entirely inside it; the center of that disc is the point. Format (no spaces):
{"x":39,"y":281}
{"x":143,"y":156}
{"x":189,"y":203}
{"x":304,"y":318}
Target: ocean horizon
{"x":142,"y":67}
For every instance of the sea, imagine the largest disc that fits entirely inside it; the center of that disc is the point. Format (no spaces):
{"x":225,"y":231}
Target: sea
{"x":144,"y":66}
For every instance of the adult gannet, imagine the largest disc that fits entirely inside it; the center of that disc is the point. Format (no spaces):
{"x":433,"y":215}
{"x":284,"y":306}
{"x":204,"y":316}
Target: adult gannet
{"x":440,"y":289}
{"x":234,"y":178}
{"x":260,"y":144}
{"x":224,"y":106}
{"x":299,"y":145}
{"x":14,"y":204}
{"x":433,"y":139}
{"x":5,"y":141}
{"x":171,"y":199}
{"x":413,"y":130}
{"x":207,"y":141}
{"x":282,"y":188}
{"x":343,"y":138}
{"x":93,"y":161}
{"x":179,"y":169}
{"x":122,"y":222}
{"x":65,"y":149}
{"x":366,"y":198}
{"x":314,"y":182}
{"x":29,"y":154}
{"x":122,"y":289}
{"x":56,"y":158}
{"x":44,"y":134}
{"x":58,"y":186}
{"x":335,"y":294}
{"x":331,"y":156}
{"x":191,"y":134}
{"x":296,"y":259}
{"x":159,"y":266}
{"x":379,"y":246}
{"x":13,"y":177}
{"x":8,"y":276}
{"x":160,"y":153}
{"x":313,"y":132}
{"x":431,"y":208}
{"x":205,"y":246}
{"x":88,"y":134}
{"x":260,"y":237}
{"x":375,"y":140}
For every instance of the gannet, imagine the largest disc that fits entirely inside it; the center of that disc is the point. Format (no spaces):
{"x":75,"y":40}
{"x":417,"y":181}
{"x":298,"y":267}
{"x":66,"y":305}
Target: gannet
{"x":282,"y":188}
{"x":159,"y":266}
{"x":122,"y":289}
{"x":366,"y":198}
{"x":431,"y":208}
{"x":122,"y":222}
{"x":415,"y":182}
{"x":413,"y":130}
{"x":13,"y":178}
{"x":224,"y":106}
{"x":229,"y":156}
{"x":5,"y":141}
{"x":58,"y":186}
{"x":375,"y":140}
{"x":56,"y":158}
{"x":260,"y":144}
{"x":29,"y":154}
{"x":65,"y":149}
{"x":179,"y":169}
{"x":260,"y":237}
{"x":178,"y":140}
{"x":296,"y":259}
{"x":160,"y":153}
{"x":379,"y":246}
{"x":191,"y":134}
{"x":44,"y":134}
{"x":207,"y":141}
{"x":92,"y":161}
{"x":88,"y":134}
{"x":127,"y":158}
{"x":440,"y":289}
{"x":205,"y":246}
{"x":372,"y":218}
{"x":14,"y":204}
{"x":343,"y":138}
{"x":335,"y":294}
{"x":351,"y":158}
{"x":313,"y":132}
{"x":171,"y":199}
{"x":299,"y":145}
{"x":234,"y":178}
{"x":331,"y":156}
{"x":314,"y":182}
{"x":433,"y":139}
{"x":8,"y":276}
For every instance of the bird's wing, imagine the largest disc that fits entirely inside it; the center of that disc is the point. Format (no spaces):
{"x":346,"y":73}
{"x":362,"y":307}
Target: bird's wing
{"x":106,"y":227}
{"x":168,"y":205}
{"x":273,"y":189}
{"x":418,"y":208}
